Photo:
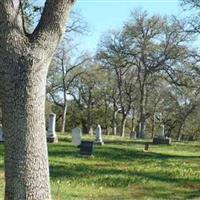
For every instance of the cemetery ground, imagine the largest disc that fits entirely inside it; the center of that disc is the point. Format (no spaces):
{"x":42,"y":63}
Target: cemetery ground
{"x":121,"y":170}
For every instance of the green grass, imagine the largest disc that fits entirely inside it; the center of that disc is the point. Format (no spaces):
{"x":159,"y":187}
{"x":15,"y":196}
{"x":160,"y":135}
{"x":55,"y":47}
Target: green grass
{"x":121,"y":170}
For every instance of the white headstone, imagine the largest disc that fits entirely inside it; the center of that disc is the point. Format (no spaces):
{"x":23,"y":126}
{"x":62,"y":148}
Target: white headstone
{"x":1,"y":135}
{"x":98,"y":135}
{"x":52,"y":125}
{"x":51,"y":133}
{"x":76,"y":136}
{"x":162,"y":131}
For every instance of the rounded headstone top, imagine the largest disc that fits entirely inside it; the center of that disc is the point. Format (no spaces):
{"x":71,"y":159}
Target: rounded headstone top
{"x":98,"y":126}
{"x":52,"y":114}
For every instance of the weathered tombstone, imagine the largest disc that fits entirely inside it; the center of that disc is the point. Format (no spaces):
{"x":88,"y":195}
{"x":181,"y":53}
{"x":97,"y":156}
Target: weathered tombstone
{"x":1,"y":135}
{"x":161,"y":139}
{"x":98,"y":139}
{"x":76,"y":136}
{"x":91,"y":131}
{"x":162,"y":132}
{"x":51,"y":133}
{"x":133,"y":135}
{"x":86,"y":148}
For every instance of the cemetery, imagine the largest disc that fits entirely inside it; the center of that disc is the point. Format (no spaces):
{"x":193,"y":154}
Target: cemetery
{"x":99,"y":100}
{"x":120,"y":169}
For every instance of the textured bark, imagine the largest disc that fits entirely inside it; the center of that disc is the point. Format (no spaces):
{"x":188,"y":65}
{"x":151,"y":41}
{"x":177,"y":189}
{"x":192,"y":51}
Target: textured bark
{"x":26,"y":161}
{"x":114,"y":122}
{"x":64,"y":117}
{"x":142,"y":118}
{"x":152,"y":127}
{"x":123,"y":126}
{"x":24,"y":61}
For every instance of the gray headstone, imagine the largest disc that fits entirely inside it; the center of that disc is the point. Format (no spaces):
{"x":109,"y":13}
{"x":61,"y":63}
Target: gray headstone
{"x":1,"y":135}
{"x":76,"y":136}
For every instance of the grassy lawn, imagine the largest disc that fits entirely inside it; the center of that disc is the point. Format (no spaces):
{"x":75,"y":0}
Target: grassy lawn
{"x":120,"y":170}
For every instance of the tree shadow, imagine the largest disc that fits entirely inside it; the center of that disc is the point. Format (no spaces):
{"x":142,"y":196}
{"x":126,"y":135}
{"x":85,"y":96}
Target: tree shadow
{"x":125,"y":142}
{"x":123,"y":154}
{"x":118,"y":178}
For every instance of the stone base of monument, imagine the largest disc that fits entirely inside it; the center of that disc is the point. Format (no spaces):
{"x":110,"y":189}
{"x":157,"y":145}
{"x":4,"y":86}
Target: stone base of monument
{"x":52,"y":139}
{"x":159,"y":140}
{"x":146,"y":147}
{"x":98,"y":142}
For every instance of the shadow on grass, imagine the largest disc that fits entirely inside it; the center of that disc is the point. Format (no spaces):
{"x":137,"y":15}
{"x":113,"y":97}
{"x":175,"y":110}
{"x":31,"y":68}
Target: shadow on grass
{"x":118,"y":178}
{"x":107,"y":175}
{"x":125,"y":142}
{"x":117,"y":154}
{"x":122,"y":154}
{"x":58,"y":150}
{"x":193,"y":194}
{"x":111,"y":153}
{"x":63,"y":169}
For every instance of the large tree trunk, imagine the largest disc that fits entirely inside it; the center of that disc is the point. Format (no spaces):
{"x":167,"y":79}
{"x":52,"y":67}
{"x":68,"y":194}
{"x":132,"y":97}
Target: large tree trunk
{"x":26,"y":161}
{"x":142,"y":118}
{"x":153,"y":126}
{"x":24,"y":61}
{"x":106,"y":118}
{"x":179,"y":134}
{"x":133,"y":122}
{"x":114,"y":122}
{"x":123,"y":126}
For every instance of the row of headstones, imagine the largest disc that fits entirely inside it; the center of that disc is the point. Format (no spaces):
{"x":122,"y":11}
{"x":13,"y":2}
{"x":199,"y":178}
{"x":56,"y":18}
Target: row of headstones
{"x":76,"y":133}
{"x":77,"y":136}
{"x":160,"y":139}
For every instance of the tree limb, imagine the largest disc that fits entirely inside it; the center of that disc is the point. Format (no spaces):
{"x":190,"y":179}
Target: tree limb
{"x":51,"y":26}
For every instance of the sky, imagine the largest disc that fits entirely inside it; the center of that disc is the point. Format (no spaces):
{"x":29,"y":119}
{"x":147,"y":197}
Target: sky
{"x":104,"y":15}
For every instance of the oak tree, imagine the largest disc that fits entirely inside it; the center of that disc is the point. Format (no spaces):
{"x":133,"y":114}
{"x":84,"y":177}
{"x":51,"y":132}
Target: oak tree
{"x":24,"y":61}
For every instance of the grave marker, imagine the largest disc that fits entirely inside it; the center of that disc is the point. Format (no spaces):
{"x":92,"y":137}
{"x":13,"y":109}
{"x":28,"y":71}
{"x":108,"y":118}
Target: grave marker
{"x":51,"y":133}
{"x":86,"y":148}
{"x":98,"y":139}
{"x":76,"y":136}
